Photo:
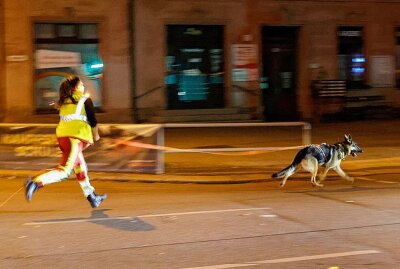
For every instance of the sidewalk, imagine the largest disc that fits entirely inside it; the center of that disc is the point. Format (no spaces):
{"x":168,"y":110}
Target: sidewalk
{"x":379,"y":139}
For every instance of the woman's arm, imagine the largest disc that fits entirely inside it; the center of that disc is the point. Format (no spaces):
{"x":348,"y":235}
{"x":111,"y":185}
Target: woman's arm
{"x":91,"y":116}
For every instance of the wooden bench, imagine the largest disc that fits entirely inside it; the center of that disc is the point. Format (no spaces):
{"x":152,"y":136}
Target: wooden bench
{"x":363,"y":104}
{"x":329,"y":97}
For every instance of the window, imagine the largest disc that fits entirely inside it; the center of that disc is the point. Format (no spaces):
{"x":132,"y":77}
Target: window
{"x":63,"y":49}
{"x":351,"y":60}
{"x":195,"y":66}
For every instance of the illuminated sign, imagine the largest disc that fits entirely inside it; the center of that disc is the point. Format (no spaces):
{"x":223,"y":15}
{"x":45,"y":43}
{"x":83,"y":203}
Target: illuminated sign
{"x":56,"y":59}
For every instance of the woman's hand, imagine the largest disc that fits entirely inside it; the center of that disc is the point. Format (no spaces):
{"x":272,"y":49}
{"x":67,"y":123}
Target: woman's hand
{"x":96,"y":137}
{"x":95,"y":131}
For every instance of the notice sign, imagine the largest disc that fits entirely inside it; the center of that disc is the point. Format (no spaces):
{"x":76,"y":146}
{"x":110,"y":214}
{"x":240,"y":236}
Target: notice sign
{"x":382,"y":71}
{"x":245,"y":62}
{"x":56,"y":59}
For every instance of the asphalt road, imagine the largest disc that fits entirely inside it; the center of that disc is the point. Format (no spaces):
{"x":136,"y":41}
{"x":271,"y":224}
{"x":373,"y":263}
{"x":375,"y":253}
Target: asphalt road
{"x":204,"y":226}
{"x":174,"y":224}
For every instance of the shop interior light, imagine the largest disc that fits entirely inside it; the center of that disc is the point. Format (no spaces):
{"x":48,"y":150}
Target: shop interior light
{"x":94,"y":66}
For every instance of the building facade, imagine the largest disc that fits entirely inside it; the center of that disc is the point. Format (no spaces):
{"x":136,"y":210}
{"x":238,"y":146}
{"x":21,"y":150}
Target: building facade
{"x":44,"y":41}
{"x":141,"y":59}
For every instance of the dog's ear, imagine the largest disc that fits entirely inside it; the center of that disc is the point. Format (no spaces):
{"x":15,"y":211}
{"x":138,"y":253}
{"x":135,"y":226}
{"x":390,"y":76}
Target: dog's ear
{"x":347,"y":138}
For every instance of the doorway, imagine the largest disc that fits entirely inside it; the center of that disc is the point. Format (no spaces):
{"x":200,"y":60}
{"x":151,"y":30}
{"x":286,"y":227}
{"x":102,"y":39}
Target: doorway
{"x":279,"y":72}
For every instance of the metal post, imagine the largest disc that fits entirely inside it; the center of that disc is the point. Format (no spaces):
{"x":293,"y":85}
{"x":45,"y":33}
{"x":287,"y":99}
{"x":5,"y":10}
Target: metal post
{"x":160,"y":153}
{"x":306,"y":133}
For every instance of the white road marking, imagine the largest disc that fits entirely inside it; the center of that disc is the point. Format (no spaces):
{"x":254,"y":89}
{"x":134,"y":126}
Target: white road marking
{"x":268,"y":216}
{"x":317,"y":257}
{"x":203,"y":212}
{"x":222,"y":266}
{"x":146,"y":216}
{"x":375,"y":180}
{"x":291,"y":259}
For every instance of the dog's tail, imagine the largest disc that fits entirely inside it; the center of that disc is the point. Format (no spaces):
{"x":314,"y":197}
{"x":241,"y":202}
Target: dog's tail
{"x":293,"y":166}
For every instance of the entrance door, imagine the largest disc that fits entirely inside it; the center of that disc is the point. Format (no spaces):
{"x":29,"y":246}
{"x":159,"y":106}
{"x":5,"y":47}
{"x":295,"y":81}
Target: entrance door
{"x":195,"y":67}
{"x":279,"y":72}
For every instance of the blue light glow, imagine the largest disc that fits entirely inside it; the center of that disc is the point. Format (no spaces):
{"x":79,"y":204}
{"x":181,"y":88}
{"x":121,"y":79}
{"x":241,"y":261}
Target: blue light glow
{"x":358,"y":70}
{"x":358,"y":60}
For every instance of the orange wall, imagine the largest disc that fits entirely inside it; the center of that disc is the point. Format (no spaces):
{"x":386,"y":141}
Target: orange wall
{"x":18,"y":40}
{"x":318,"y":21}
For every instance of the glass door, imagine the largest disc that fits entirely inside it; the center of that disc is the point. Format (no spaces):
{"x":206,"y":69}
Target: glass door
{"x":279,"y":72}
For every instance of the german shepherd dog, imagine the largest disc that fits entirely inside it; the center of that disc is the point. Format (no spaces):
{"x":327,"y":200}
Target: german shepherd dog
{"x":327,"y":155}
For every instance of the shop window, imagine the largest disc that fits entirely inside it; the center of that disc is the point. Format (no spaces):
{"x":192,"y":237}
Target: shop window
{"x":63,"y":49}
{"x":88,"y":31}
{"x":351,"y":59}
{"x":66,"y":30}
{"x":195,"y":66}
{"x":45,"y":30}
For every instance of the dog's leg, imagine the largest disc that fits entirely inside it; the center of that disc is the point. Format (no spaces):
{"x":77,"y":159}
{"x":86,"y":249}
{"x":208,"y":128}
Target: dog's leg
{"x":343,"y":174}
{"x":324,"y":173}
{"x":311,"y":165}
{"x":314,"y":176}
{"x":288,"y":173}
{"x":283,"y":181}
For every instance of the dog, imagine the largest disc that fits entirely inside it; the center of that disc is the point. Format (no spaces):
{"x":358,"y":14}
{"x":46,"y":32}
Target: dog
{"x":327,"y":155}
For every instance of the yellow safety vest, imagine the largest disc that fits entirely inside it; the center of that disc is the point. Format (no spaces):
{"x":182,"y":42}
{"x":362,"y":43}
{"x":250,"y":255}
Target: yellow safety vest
{"x":73,"y":121}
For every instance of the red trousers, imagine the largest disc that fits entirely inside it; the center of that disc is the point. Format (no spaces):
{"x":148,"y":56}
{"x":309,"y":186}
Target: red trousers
{"x":72,"y":160}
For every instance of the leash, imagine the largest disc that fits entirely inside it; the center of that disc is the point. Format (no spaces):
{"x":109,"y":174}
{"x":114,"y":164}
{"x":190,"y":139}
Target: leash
{"x":205,"y":151}
{"x":9,"y":198}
